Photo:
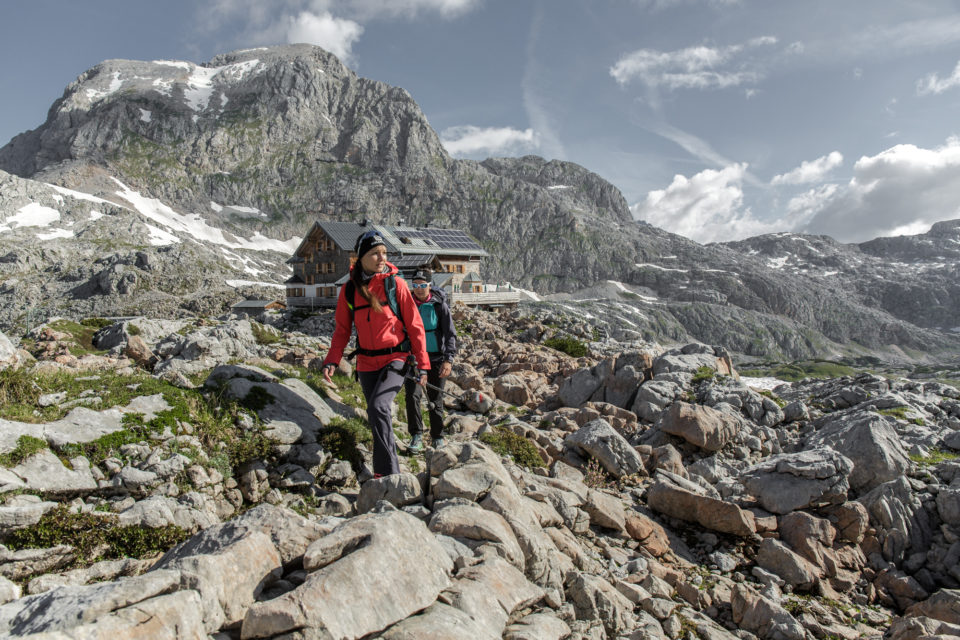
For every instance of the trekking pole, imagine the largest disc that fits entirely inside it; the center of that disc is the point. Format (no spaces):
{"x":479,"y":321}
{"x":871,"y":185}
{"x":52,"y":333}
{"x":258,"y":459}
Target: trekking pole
{"x":408,"y":366}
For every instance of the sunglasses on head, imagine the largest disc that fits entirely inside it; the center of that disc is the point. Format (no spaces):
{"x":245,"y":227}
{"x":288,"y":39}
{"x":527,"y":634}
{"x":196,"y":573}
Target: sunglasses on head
{"x":365,"y":236}
{"x":420,"y":285}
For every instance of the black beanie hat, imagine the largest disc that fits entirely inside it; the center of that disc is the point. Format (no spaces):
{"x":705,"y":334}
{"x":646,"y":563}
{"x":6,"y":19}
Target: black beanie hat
{"x":366,"y":241}
{"x":423,"y":274}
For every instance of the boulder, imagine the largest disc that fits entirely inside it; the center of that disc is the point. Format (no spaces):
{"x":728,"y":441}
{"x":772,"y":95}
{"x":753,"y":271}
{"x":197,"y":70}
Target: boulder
{"x":579,"y":387}
{"x":778,"y":558}
{"x":699,"y":425}
{"x":228,"y":572}
{"x":869,"y":441}
{"x":763,"y":616}
{"x":594,"y":598}
{"x":373,"y":558}
{"x":399,"y":489}
{"x":791,"y":481}
{"x":653,"y":396}
{"x":537,"y":626}
{"x":68,"y":607}
{"x":601,"y":441}
{"x":476,"y":526}
{"x":687,"y":501}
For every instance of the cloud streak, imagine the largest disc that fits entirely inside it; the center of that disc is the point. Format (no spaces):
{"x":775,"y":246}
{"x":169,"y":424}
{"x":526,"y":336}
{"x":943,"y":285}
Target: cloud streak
{"x":933,"y":84}
{"x":698,"y":67}
{"x":470,"y":140}
{"x":810,"y":171}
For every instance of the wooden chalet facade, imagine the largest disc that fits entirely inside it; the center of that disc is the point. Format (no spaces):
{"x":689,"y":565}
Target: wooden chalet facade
{"x":321,"y":264}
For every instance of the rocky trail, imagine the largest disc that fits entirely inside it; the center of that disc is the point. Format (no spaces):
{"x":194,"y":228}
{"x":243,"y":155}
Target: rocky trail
{"x":197,"y":479}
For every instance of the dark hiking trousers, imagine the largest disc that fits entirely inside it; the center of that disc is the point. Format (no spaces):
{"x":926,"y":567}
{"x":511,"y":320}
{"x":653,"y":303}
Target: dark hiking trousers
{"x":415,"y":398}
{"x":380,"y":388}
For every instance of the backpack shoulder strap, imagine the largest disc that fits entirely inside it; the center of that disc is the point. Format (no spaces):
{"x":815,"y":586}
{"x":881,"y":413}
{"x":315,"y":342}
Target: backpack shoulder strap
{"x":348,"y":295}
{"x":390,"y":286}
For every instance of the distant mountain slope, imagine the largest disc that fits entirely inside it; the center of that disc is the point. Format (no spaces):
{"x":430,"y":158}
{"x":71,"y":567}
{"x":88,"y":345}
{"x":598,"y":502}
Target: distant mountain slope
{"x":245,"y":152}
{"x":913,"y":278}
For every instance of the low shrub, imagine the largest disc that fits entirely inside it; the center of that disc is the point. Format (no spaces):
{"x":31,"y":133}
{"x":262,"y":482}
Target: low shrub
{"x":340,"y":439}
{"x":94,"y":536}
{"x":26,"y":447}
{"x":703,"y":374}
{"x":507,"y":443}
{"x":568,"y":345}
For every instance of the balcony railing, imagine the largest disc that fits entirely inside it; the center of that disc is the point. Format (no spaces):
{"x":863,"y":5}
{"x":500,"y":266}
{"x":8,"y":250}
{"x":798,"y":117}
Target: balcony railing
{"x":492,"y":298}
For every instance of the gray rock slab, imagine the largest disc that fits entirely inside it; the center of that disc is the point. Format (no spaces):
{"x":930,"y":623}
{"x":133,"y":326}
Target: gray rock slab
{"x":44,"y":473}
{"x":69,"y":607}
{"x":175,"y":616}
{"x":601,"y":441}
{"x":472,"y":523}
{"x":17,"y":517}
{"x":400,"y":490}
{"x":440,"y":621}
{"x":230,"y":578}
{"x":22,"y":563}
{"x":537,"y":626}
{"x":791,"y":481}
{"x":9,"y":590}
{"x":80,"y":425}
{"x":869,"y":441}
{"x":388,"y":558}
{"x":290,"y":533}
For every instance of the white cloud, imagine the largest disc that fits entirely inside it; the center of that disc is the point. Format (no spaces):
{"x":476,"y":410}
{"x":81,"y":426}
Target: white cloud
{"x":903,"y":187}
{"x":468,"y":139}
{"x":332,"y":24}
{"x":804,"y":206}
{"x":699,"y":67}
{"x":333,"y":34}
{"x":707,"y":207}
{"x":373,"y":9}
{"x":810,"y":171}
{"x":932,"y":83}
{"x":669,"y":4}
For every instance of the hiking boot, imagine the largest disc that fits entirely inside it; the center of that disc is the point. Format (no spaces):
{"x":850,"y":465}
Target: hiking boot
{"x":438,"y":442}
{"x":416,"y":443}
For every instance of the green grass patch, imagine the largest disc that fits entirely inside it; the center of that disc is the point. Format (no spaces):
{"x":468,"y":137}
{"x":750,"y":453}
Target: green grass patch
{"x":265,"y":335}
{"x":507,"y":443}
{"x":94,"y":536}
{"x":770,"y":394}
{"x":340,"y":439}
{"x":935,"y":457}
{"x":81,"y":333}
{"x":795,"y":371}
{"x":20,"y":391}
{"x":901,"y":414}
{"x":570,"y":346}
{"x":703,"y":374}
{"x":350,"y":390}
{"x":26,"y":447}
{"x":257,"y":398}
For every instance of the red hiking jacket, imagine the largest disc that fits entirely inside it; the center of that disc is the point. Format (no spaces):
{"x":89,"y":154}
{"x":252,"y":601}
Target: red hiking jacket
{"x":379,"y":330}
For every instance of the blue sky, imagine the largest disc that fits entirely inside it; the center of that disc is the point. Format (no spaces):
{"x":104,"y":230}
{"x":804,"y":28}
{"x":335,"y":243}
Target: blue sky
{"x":717,"y":119}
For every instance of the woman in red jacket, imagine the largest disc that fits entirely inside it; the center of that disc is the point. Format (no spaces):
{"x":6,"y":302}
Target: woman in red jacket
{"x":384,"y":340}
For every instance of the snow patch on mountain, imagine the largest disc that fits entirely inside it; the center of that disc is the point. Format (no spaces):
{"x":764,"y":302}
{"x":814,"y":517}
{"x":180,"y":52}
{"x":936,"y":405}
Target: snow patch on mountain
{"x":196,"y":227}
{"x":30,"y":215}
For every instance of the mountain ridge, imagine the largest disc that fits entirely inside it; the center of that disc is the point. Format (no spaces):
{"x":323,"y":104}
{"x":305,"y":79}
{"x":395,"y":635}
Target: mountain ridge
{"x":259,"y":143}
